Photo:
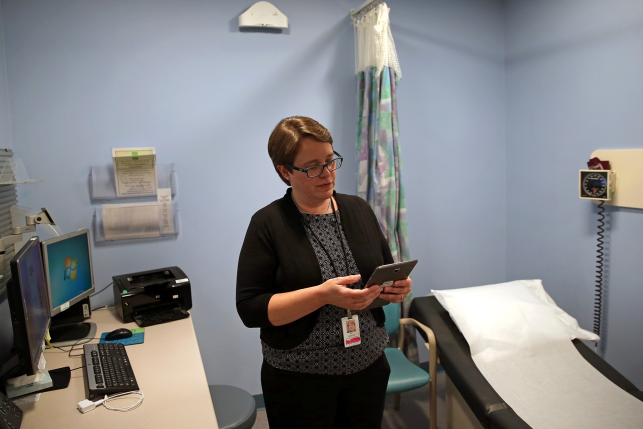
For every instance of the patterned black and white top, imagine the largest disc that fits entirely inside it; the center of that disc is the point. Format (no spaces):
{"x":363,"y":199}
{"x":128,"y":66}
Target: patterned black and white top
{"x":323,"y":352}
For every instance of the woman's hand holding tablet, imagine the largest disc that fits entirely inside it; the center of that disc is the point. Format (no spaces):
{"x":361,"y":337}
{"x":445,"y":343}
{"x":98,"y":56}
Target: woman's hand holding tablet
{"x":394,"y":280}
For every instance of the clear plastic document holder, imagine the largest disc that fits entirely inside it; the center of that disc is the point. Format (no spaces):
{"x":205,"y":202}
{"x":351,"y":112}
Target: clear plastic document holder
{"x":13,"y":172}
{"x":102,"y":183}
{"x":136,"y":220}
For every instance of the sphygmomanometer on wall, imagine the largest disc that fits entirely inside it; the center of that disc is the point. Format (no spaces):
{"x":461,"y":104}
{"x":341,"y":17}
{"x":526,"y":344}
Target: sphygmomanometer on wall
{"x":599,"y":183}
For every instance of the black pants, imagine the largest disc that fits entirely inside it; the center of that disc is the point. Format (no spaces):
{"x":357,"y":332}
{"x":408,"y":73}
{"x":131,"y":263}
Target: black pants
{"x":296,"y":400}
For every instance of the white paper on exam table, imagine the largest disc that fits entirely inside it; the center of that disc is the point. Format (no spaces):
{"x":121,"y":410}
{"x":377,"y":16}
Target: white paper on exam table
{"x":534,"y":366}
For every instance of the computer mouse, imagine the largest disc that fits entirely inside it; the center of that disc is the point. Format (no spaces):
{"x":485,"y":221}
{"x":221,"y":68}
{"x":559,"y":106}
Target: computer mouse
{"x":118,"y":334}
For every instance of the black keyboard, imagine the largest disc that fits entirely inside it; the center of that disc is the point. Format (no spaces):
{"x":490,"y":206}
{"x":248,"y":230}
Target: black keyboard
{"x":157,"y":317}
{"x":10,"y":414}
{"x":108,"y":369}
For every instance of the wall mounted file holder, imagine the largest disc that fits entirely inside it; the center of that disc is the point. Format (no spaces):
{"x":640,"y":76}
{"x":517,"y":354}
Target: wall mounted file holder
{"x":102,"y":185}
{"x":113,"y":222}
{"x":13,"y":172}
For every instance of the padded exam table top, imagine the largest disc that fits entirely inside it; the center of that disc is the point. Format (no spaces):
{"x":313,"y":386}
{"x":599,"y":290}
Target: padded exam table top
{"x":455,"y":358}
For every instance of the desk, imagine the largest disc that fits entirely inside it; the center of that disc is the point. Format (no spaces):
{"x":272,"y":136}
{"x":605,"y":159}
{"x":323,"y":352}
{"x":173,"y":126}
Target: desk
{"x":168,"y":369}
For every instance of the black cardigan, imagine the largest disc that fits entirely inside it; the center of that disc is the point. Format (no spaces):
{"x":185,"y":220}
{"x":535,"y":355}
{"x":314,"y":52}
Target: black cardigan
{"x":277,"y":257}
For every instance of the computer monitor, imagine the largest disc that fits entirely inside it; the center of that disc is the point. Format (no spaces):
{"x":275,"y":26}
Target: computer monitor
{"x":70,"y":278}
{"x":29,"y":308}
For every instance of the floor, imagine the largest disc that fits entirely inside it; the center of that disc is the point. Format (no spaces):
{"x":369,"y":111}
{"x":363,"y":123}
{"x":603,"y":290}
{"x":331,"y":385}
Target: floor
{"x":413,"y":414}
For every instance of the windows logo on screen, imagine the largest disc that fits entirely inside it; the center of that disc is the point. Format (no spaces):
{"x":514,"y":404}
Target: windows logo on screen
{"x":71,"y":266}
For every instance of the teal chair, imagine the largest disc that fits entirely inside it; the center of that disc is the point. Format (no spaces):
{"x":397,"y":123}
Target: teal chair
{"x":405,"y":375}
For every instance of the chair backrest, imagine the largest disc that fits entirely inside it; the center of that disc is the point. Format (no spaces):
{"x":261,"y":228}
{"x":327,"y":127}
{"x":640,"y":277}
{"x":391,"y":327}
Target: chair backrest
{"x":392,"y":312}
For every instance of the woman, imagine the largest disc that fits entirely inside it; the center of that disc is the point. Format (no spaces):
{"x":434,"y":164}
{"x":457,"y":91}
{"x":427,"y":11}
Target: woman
{"x":302,"y":267}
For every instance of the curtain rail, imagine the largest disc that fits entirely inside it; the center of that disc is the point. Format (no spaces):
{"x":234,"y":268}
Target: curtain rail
{"x":354,"y":12}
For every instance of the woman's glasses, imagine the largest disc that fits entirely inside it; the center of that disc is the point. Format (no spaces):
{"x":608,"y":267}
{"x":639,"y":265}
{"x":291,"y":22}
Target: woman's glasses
{"x":316,"y":170}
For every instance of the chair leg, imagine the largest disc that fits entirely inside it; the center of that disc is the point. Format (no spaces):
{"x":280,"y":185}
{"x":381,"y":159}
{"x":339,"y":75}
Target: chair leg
{"x":433,"y":359}
{"x":396,"y":404}
{"x":433,"y":407}
{"x":433,"y":388}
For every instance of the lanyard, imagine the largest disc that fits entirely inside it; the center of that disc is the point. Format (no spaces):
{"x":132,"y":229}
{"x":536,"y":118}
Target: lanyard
{"x":341,"y":241}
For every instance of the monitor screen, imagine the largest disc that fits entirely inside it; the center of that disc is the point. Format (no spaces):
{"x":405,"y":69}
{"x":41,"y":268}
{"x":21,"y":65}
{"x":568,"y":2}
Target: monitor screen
{"x":29,"y":304}
{"x":68,"y":269}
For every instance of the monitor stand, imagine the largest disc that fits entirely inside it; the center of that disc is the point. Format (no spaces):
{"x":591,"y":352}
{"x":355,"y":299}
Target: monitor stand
{"x":74,"y":334}
{"x":68,"y":328}
{"x":55,"y":379}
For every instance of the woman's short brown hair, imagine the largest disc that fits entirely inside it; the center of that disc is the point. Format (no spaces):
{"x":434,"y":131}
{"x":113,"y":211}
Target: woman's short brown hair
{"x":284,"y":140}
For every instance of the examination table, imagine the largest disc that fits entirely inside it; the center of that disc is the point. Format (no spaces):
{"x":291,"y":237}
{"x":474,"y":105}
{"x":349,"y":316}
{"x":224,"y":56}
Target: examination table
{"x":471,"y":401}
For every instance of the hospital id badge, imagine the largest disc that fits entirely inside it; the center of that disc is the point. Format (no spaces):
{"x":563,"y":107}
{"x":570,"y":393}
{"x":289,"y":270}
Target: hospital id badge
{"x":350,"y":329}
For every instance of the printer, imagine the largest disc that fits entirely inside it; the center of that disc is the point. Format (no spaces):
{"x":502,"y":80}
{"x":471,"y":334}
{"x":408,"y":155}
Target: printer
{"x":154,"y":295}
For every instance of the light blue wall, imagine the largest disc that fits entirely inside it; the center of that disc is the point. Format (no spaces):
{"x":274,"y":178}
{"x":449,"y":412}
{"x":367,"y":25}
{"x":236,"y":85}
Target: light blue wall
{"x":86,"y":76}
{"x":451,"y":105}
{"x":575,"y":85}
{"x":452,"y":116}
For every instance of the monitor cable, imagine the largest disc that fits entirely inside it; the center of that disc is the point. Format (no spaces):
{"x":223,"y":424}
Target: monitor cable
{"x":96,"y":293}
{"x":72,"y":347}
{"x":66,"y":369}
